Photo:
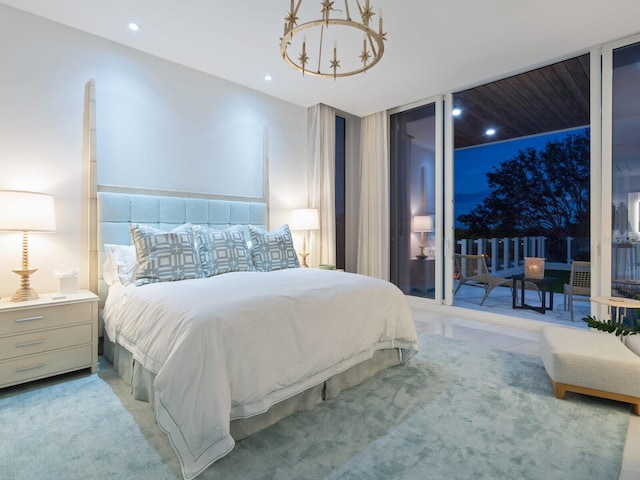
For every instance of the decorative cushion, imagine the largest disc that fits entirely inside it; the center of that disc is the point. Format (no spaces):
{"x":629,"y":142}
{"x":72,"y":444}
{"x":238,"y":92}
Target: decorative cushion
{"x":164,"y":256}
{"x":272,"y":250}
{"x":222,"y":251}
{"x":120,"y":263}
{"x":633,"y":343}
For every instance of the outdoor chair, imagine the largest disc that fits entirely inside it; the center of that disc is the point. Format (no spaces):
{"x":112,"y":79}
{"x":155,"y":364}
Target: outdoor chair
{"x":473,"y":271}
{"x":579,"y":284}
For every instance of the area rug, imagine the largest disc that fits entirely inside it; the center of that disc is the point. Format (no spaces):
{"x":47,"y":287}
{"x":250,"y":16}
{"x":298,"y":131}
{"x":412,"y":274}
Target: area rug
{"x":73,"y":430}
{"x":455,"y":411}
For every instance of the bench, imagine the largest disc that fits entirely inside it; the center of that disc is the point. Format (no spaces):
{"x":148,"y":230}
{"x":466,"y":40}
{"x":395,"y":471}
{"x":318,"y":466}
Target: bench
{"x":592,"y":363}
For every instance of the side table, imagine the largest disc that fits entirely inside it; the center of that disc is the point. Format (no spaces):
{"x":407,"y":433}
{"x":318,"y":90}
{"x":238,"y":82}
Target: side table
{"x":545,"y":284}
{"x":619,"y":303}
{"x":48,"y":336}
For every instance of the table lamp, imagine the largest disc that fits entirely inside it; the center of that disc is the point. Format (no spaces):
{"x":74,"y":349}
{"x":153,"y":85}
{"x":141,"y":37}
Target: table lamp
{"x":26,"y":212}
{"x":422,"y":224}
{"x":304,"y":220}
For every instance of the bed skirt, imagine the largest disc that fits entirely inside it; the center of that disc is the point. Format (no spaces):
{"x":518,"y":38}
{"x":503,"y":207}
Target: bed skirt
{"x":141,"y":382}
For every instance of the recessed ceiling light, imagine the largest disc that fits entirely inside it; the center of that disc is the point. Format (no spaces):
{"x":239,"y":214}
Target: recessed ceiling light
{"x":267,"y":77}
{"x":134,"y":26}
{"x":490,"y":131}
{"x":455,"y":112}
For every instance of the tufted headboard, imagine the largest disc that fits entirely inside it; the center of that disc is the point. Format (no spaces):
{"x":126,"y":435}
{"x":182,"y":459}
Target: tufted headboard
{"x":112,"y":208}
{"x":117,"y":210}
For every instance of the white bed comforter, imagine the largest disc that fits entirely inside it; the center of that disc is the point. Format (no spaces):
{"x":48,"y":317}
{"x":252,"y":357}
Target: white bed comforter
{"x":232,"y":345}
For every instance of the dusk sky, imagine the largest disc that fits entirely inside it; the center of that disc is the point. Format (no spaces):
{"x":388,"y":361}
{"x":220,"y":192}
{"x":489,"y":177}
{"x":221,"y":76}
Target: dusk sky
{"x":472,"y":164}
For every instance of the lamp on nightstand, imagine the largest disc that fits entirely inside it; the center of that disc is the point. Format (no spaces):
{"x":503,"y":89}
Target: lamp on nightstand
{"x":422,"y":224}
{"x":304,"y":220}
{"x":26,"y":212}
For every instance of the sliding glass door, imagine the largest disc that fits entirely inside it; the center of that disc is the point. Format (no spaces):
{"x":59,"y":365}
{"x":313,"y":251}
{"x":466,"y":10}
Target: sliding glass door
{"x":416,"y":186}
{"x":595,"y":137}
{"x":621,"y":172}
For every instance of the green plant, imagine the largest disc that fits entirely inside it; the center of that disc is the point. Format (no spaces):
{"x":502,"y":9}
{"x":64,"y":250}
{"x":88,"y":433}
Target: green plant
{"x":611,"y":327}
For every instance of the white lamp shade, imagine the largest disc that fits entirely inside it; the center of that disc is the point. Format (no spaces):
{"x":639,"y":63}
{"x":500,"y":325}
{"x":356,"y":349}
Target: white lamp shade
{"x":423,"y":223}
{"x":304,"y":219}
{"x":26,"y":212}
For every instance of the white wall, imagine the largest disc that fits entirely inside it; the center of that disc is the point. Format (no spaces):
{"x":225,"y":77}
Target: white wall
{"x":159,"y":126}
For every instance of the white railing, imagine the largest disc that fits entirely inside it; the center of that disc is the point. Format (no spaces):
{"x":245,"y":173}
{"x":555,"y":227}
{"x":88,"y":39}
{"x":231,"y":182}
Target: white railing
{"x":507,"y":254}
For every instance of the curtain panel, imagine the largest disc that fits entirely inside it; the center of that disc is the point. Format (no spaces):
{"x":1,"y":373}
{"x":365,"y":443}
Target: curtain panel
{"x":322,"y":149}
{"x":374,"y":225}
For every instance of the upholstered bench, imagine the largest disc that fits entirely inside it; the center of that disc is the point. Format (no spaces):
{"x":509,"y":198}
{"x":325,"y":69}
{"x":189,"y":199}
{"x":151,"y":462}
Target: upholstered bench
{"x":592,"y":363}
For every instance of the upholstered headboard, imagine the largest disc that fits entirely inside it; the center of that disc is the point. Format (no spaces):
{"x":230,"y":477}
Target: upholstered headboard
{"x":112,"y":208}
{"x":116,"y":211}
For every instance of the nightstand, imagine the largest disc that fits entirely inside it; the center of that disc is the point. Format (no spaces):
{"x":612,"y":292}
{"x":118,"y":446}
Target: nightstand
{"x":48,"y":336}
{"x":423,"y":274}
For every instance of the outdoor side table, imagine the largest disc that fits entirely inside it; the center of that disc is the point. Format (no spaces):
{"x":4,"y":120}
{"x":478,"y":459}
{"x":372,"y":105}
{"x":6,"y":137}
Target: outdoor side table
{"x":621,"y":304}
{"x":546,"y":286}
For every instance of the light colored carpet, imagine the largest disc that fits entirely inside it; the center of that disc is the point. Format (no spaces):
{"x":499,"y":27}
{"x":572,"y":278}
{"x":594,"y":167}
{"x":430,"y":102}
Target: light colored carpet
{"x":73,"y":430}
{"x":456,"y":411}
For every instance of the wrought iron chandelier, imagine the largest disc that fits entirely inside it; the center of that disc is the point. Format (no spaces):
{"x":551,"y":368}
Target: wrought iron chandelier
{"x":332,"y":27}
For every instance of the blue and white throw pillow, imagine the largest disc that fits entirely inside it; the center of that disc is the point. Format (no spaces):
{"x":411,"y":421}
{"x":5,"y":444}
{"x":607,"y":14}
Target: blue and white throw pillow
{"x":222,"y":251}
{"x":272,"y":250}
{"x":164,"y":256}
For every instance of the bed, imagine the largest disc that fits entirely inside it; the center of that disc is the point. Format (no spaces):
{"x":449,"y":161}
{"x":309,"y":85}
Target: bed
{"x":220,"y":356}
{"x":224,"y":356}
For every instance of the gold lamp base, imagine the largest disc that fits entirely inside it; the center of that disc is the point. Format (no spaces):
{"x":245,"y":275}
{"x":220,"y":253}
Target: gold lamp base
{"x":25,"y":292}
{"x":304,"y":256}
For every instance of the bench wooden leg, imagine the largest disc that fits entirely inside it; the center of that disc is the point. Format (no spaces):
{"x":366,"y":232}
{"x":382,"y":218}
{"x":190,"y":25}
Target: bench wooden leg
{"x":558,"y":390}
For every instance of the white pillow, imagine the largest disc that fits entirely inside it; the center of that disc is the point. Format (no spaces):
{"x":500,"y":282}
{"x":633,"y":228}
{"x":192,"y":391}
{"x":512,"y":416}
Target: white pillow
{"x":121,"y":260}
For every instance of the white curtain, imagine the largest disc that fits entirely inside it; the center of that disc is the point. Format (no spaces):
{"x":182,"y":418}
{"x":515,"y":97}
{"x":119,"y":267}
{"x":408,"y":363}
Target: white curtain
{"x":322,"y":148}
{"x":374,"y":227}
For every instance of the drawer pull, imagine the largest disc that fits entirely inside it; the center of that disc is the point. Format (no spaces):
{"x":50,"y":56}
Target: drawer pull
{"x":30,"y":367}
{"x":30,"y":344}
{"x":29,"y":319}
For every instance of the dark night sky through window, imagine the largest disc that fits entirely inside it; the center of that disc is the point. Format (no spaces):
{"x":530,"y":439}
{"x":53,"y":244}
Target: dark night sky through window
{"x":472,"y":164}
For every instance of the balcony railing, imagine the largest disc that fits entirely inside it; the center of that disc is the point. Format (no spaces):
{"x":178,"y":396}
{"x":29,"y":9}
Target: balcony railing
{"x":506,"y":255}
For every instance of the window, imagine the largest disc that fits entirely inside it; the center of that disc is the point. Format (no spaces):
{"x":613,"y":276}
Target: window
{"x":340,"y":192}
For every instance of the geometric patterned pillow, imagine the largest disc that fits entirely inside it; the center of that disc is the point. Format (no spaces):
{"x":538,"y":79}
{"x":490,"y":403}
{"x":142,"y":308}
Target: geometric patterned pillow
{"x":272,"y":250}
{"x":222,"y":251}
{"x":164,"y":256}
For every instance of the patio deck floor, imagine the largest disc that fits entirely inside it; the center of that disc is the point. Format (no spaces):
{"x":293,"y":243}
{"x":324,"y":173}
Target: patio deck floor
{"x":499,"y":302}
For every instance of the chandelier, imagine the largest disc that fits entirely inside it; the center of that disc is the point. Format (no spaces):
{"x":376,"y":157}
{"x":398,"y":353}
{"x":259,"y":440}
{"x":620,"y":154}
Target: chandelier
{"x":364,"y":44}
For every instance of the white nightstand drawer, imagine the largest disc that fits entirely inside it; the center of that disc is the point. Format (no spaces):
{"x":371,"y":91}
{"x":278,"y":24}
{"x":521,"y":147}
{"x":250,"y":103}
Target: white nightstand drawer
{"x":24,"y":320}
{"x":44,"y":365}
{"x":45,"y":340}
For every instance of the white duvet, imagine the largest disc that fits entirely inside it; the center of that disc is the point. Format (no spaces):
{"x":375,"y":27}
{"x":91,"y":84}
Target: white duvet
{"x":232,"y":345}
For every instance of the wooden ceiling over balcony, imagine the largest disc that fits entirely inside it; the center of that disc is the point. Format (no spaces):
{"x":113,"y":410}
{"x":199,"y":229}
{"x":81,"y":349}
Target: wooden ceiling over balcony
{"x":551,"y":98}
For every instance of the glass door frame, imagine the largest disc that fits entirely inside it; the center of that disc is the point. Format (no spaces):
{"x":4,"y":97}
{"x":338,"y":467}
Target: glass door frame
{"x":601,"y":254}
{"x":440,"y":215}
{"x":601,"y":134}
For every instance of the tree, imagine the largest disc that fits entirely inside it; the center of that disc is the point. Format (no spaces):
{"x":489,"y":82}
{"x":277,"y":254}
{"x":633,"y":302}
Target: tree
{"x":537,"y":192}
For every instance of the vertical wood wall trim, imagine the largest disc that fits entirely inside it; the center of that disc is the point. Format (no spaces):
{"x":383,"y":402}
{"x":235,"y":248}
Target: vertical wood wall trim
{"x":90,"y":152}
{"x":265,"y":170}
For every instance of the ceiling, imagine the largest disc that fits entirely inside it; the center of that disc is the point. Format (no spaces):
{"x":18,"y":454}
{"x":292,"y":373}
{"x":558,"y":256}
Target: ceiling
{"x":433,"y":47}
{"x":547,"y":99}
